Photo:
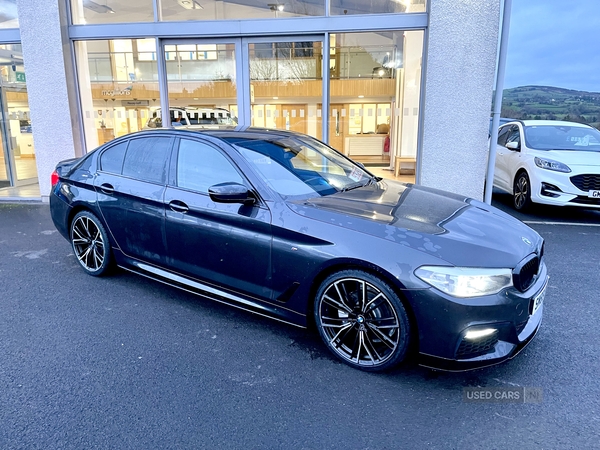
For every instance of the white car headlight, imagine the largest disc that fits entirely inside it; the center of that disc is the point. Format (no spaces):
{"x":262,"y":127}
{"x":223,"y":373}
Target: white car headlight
{"x":551,"y":165}
{"x":465,"y":282}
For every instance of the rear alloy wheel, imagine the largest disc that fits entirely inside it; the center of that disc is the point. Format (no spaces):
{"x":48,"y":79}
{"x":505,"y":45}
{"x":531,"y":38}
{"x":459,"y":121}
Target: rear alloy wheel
{"x":522,"y":192}
{"x":90,"y":243}
{"x":362,"y":320}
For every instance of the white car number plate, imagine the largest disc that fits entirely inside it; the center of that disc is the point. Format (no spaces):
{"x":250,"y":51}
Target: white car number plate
{"x":539,"y":299}
{"x":594,"y":194}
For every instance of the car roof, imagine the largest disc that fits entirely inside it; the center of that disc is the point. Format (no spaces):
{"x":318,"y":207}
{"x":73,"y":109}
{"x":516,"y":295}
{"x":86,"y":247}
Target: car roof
{"x":221,"y":133}
{"x":555,"y":123}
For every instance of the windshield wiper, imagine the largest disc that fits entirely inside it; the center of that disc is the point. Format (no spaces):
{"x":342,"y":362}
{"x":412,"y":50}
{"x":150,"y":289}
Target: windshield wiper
{"x":359,"y":184}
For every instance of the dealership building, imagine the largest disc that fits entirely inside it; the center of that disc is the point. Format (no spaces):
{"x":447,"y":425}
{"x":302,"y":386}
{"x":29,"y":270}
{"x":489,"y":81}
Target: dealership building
{"x":390,"y":83}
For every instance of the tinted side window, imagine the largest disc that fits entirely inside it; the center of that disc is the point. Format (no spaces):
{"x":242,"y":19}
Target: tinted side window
{"x":502,"y":135}
{"x":200,"y":166}
{"x":146,"y":159}
{"x":514,"y":135}
{"x":111,"y":160}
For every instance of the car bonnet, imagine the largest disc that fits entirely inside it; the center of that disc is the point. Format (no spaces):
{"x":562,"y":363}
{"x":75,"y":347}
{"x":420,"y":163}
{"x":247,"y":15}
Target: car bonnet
{"x":459,"y":230}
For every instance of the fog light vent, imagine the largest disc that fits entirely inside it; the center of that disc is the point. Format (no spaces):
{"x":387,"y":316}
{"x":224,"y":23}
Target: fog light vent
{"x":475,"y":347}
{"x":549,"y":190}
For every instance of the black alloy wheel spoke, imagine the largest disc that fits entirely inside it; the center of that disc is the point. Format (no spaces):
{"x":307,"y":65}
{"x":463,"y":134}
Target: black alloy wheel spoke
{"x":339,"y":306}
{"x":382,"y":336}
{"x":368,"y":340}
{"x":340,"y":339}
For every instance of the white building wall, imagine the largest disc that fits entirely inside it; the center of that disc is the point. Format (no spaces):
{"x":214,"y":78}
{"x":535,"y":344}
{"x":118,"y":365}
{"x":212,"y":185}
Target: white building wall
{"x":44,"y":60}
{"x":460,"y":65}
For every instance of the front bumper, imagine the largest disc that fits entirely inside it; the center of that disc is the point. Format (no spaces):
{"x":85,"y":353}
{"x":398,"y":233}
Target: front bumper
{"x":442,"y":336}
{"x":543,"y":183}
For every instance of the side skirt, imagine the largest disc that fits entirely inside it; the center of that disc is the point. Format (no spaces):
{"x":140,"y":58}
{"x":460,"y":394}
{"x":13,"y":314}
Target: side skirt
{"x":213,"y":293}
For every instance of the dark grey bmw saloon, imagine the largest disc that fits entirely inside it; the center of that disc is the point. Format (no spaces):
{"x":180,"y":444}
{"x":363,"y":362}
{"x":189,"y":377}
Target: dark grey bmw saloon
{"x":282,"y":225}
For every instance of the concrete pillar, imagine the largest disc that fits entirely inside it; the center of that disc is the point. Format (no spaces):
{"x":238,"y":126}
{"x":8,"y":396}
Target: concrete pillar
{"x":46,"y":57}
{"x":460,"y":64}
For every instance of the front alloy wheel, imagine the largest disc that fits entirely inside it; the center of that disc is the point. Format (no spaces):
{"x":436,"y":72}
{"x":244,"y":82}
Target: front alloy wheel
{"x":90,"y":243}
{"x":522,"y":192}
{"x":362,"y":320}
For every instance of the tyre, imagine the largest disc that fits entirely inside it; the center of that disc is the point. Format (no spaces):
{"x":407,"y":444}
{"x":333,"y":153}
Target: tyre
{"x":90,"y":243}
{"x":522,"y":192}
{"x":362,"y":321}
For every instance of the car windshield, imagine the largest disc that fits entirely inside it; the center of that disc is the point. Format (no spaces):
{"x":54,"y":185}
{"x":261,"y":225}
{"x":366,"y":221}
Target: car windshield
{"x":559,"y":137}
{"x":301,"y":167}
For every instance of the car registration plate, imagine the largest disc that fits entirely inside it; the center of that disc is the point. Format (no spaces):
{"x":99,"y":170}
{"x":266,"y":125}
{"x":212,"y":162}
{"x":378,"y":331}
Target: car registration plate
{"x":594,"y":194}
{"x":538,"y":299}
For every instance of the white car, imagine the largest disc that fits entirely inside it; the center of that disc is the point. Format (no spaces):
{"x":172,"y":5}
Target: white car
{"x":194,"y":117}
{"x":549,"y":162}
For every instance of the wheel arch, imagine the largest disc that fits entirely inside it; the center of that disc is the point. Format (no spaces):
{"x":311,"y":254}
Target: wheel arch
{"x":79,"y":207}
{"x":372,"y":269}
{"x":518,"y":172}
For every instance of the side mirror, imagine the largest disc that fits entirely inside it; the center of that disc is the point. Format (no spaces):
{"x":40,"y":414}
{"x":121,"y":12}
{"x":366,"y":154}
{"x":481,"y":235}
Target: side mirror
{"x":230,"y":193}
{"x":513,"y":146}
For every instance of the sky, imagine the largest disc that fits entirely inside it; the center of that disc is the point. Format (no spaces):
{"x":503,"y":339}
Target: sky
{"x":554,"y":43}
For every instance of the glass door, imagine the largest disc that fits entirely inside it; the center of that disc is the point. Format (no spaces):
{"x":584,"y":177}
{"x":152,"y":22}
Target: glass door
{"x":286,"y":83}
{"x":202,"y":81}
{"x":17,"y":153}
{"x":20,"y":143}
{"x":270,"y":82}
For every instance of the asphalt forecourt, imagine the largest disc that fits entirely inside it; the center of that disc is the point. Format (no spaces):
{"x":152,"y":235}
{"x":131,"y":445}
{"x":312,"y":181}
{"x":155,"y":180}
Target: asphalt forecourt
{"x":549,"y":215}
{"x":126,"y":362}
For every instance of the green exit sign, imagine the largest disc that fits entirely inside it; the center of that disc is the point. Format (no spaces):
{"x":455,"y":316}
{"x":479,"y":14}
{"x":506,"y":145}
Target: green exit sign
{"x":20,"y":76}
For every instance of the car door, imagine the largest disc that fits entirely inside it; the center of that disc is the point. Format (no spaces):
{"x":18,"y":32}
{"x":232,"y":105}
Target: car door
{"x":512,"y":157}
{"x":503,"y":172}
{"x":227,"y":244}
{"x":131,"y":183}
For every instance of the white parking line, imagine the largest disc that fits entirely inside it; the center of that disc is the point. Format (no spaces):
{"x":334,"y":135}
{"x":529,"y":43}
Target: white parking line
{"x":533,"y":222}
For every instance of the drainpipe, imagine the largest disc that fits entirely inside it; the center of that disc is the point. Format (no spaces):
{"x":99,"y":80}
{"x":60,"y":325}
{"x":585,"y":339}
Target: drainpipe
{"x":489,"y":179}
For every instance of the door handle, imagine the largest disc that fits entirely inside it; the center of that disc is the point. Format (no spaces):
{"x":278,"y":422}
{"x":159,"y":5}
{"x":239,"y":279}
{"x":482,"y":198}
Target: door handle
{"x":178,"y":206}
{"x":107,"y":188}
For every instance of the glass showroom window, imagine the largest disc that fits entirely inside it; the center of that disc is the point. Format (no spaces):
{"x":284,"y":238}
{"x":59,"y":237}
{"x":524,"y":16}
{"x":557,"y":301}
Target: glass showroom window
{"x":375,"y":91}
{"x":233,"y":10}
{"x":287,"y":85}
{"x":118,"y":87}
{"x":17,"y":153}
{"x":111,"y":11}
{"x":346,"y":7}
{"x":8,"y":14}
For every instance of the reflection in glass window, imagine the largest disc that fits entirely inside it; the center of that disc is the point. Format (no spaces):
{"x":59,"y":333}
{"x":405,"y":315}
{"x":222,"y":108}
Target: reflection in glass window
{"x":200,"y":166}
{"x":375,"y":94}
{"x":191,"y":52}
{"x":146,"y":159}
{"x":8,"y":14}
{"x":17,"y":119}
{"x":232,"y":9}
{"x":349,"y":7}
{"x":111,"y":11}
{"x":111,"y":160}
{"x":118,"y":82}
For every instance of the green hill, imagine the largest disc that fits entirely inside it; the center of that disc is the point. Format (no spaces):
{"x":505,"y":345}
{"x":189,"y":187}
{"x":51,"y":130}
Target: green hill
{"x":551,"y":103}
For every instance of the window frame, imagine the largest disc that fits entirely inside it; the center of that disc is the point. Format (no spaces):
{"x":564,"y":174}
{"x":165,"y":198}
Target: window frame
{"x":172,"y":180}
{"x":110,"y":145}
{"x":128,"y":140}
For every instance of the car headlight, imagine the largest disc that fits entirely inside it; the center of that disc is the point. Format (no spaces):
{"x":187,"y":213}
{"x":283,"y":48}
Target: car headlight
{"x":551,"y":165}
{"x":465,"y":282}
